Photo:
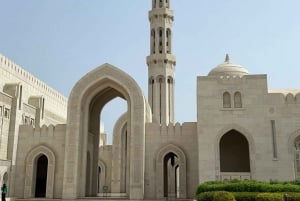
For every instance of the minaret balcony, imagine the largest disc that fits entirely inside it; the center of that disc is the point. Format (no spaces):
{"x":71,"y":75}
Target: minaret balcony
{"x":161,"y":12}
{"x":166,"y":58}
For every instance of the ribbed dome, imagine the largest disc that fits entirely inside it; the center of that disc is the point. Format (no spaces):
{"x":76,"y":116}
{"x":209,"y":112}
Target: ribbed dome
{"x":228,"y":68}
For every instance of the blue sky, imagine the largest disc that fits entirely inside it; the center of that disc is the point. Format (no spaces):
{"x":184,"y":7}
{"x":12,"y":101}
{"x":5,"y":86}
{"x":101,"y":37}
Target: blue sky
{"x":73,"y":37}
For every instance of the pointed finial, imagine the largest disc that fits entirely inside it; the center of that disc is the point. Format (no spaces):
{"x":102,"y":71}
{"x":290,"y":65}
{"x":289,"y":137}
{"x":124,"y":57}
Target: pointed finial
{"x":227,"y":58}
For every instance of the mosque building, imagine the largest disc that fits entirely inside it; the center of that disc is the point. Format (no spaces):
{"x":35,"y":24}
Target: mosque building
{"x":54,"y":147}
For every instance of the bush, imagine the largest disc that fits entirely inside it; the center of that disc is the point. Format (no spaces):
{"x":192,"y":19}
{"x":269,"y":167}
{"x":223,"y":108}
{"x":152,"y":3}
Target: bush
{"x":248,"y":186}
{"x":269,"y":197}
{"x":206,"y":196}
{"x":245,"y":196}
{"x":294,"y":196}
{"x":223,"y":196}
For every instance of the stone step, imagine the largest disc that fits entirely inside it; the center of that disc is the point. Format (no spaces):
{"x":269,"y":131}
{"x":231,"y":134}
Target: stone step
{"x":95,"y":199}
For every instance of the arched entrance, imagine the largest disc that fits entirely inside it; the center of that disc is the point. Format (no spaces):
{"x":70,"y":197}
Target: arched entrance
{"x":234,"y":156}
{"x":86,"y":102}
{"x":41,"y":176}
{"x":101,"y":177}
{"x":170,"y":173}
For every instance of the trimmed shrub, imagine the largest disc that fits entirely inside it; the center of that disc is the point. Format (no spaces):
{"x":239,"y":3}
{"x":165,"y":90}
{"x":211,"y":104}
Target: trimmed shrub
{"x":294,"y":196}
{"x":206,"y":196}
{"x":247,"y":186}
{"x":245,"y":196}
{"x":269,"y":197}
{"x":223,"y":196}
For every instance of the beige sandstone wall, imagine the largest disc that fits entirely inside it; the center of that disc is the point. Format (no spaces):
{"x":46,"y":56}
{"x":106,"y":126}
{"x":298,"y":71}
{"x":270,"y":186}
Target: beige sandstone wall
{"x":253,"y":120}
{"x":52,"y":137}
{"x":184,"y":137}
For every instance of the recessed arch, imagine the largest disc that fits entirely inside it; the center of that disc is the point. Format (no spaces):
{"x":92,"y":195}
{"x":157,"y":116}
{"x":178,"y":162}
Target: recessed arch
{"x":30,"y":169}
{"x":237,"y":99}
{"x":101,"y":176}
{"x":159,"y":168}
{"x":226,"y":100}
{"x":234,"y":152}
{"x":41,"y":176}
{"x":241,"y":130}
{"x":88,"y":97}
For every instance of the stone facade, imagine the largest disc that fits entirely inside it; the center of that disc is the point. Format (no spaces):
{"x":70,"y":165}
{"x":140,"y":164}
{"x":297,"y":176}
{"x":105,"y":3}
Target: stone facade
{"x":54,"y":147}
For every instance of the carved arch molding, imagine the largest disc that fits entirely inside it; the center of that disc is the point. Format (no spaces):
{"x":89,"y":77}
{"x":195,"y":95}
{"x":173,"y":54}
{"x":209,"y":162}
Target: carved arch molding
{"x":30,"y":166}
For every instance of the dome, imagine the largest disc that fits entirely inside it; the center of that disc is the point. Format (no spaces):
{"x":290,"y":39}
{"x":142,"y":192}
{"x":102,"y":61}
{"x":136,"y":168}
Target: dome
{"x":228,"y":68}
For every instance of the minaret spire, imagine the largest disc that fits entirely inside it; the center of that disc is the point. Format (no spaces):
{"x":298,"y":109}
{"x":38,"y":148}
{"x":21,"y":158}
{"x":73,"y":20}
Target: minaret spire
{"x":161,"y":62}
{"x":227,"y":60}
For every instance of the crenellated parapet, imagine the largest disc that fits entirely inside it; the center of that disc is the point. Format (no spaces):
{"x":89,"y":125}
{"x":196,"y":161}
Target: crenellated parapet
{"x":184,"y":129}
{"x":27,"y":77}
{"x":289,"y":97}
{"x":51,"y":131}
{"x":21,"y":84}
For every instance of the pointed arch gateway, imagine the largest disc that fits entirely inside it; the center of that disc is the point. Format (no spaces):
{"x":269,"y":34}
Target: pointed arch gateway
{"x":40,"y":168}
{"x":234,"y":150}
{"x":170,"y":160}
{"x":86,"y":101}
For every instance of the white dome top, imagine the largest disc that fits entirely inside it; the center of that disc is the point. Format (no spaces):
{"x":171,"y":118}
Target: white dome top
{"x":228,"y":68}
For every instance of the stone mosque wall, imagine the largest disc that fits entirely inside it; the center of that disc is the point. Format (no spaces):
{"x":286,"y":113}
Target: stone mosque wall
{"x":267,"y":119}
{"x":24,"y":100}
{"x":32,"y":143}
{"x":55,"y":103}
{"x":158,"y":140}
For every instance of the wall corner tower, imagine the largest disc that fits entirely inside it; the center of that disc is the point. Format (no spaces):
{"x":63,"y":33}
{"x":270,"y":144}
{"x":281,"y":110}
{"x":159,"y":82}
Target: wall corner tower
{"x":161,"y":63}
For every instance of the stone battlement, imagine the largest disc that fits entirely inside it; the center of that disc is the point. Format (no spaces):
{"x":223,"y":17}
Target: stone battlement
{"x":178,"y":129}
{"x":43,"y":131}
{"x":28,"y":78}
{"x":290,"y":96}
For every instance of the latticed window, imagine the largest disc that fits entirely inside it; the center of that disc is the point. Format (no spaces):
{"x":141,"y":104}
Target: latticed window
{"x":297,"y":157}
{"x":226,"y":100}
{"x":237,"y":100}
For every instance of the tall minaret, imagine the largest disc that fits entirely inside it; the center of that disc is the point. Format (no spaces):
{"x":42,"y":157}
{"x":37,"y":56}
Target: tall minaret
{"x":161,"y":63}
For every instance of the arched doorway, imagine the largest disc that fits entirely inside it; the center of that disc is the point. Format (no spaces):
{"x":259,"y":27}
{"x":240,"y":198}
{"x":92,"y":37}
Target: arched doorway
{"x":234,"y":156}
{"x":41,"y":176}
{"x":101,"y":177}
{"x":87,"y":99}
{"x":170,"y":173}
{"x":39,"y":161}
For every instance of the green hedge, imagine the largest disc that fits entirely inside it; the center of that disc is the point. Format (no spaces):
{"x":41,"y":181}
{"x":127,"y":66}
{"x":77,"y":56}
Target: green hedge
{"x":294,"y":196}
{"x":269,"y":197}
{"x":245,"y":196}
{"x":247,"y":186}
{"x":251,"y":196}
{"x":223,"y":196}
{"x":206,"y":196}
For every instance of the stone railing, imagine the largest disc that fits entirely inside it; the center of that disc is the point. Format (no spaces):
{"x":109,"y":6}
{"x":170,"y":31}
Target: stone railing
{"x":227,"y":176}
